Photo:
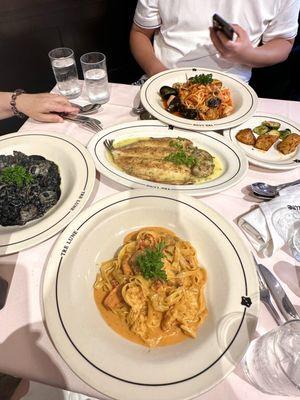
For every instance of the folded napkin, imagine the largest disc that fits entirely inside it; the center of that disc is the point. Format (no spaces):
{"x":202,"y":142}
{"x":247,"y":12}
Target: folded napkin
{"x":269,"y":226}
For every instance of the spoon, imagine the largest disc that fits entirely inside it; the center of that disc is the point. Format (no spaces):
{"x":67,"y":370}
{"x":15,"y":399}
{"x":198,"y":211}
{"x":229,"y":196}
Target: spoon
{"x":263,"y":189}
{"x":88,"y":108}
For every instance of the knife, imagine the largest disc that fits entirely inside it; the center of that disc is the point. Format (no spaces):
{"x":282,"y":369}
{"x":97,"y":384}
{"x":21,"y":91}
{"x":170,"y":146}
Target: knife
{"x":280,"y":297}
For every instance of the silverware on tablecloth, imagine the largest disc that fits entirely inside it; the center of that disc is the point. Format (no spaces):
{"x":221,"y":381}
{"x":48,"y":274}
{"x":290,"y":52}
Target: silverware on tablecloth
{"x":91,"y":124}
{"x":280,"y":297}
{"x":265,"y":296}
{"x":88,"y":108}
{"x":266,"y":190}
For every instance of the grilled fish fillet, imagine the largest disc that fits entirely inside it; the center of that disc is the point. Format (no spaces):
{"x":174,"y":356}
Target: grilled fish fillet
{"x":156,"y":170}
{"x":146,"y":159}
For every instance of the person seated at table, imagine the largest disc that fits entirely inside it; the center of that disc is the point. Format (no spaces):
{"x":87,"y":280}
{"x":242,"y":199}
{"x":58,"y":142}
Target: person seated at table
{"x":182,"y":36}
{"x":40,"y":106}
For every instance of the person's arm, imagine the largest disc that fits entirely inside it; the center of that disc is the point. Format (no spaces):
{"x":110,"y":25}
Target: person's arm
{"x":142,"y":50}
{"x":37,"y":106}
{"x":241,"y":50}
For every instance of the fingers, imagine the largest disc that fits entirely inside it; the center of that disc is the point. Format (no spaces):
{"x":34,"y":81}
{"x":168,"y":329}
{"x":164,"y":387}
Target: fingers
{"x":66,"y":108}
{"x":239,"y":31}
{"x":48,"y":118}
{"x":216,"y":41}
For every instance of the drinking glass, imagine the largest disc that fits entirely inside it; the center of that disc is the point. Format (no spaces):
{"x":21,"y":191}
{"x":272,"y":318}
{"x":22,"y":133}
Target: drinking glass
{"x":272,"y":361}
{"x":294,"y":242}
{"x":65,"y":71}
{"x":95,"y":77}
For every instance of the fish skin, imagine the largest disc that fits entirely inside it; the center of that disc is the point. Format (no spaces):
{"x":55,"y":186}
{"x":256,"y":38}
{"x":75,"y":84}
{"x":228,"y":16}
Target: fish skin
{"x":145,"y":159}
{"x":155,"y":153}
{"x":156,"y":170}
{"x":157,"y":142}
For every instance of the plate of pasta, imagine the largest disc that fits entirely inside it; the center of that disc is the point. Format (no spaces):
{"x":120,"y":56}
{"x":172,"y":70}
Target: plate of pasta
{"x":198,"y":99}
{"x":165,"y":293}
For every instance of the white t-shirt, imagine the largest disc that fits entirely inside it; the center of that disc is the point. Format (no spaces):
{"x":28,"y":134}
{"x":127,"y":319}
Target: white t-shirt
{"x":183,"y":40}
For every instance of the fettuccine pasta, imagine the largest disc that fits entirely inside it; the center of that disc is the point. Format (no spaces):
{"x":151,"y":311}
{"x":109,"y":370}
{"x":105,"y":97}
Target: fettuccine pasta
{"x":152,"y":291}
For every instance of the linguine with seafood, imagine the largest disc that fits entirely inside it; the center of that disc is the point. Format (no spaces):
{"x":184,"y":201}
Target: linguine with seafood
{"x":200,"y":98}
{"x":152,"y":291}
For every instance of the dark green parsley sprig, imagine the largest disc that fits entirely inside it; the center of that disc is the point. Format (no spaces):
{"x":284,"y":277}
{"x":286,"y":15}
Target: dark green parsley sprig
{"x":17,"y":175}
{"x":181,"y":157}
{"x":151,"y":264}
{"x":202,"y":79}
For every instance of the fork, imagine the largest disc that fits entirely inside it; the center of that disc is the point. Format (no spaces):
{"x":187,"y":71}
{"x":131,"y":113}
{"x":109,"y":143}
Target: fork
{"x":265,"y":296}
{"x":109,"y":144}
{"x":91,"y":124}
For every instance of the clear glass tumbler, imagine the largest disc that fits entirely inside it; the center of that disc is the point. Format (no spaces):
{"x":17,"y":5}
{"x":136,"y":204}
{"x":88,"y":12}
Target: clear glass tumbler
{"x":65,"y":71}
{"x":95,"y":77}
{"x":272,"y":361}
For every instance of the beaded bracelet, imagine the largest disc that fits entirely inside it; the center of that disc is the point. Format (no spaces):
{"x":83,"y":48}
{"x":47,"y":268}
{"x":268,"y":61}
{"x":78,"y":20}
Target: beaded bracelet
{"x":12,"y":103}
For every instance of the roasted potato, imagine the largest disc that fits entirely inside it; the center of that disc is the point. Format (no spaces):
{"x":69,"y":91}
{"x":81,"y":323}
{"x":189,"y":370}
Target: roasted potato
{"x":246,"y":136}
{"x":289,"y":143}
{"x":264,"y":142}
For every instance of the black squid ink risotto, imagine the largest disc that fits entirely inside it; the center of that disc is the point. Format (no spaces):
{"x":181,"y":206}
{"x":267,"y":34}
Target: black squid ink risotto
{"x":29,"y":187}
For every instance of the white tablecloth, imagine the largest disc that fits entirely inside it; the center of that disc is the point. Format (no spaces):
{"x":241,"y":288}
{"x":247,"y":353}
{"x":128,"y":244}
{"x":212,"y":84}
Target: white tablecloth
{"x":25,"y":348}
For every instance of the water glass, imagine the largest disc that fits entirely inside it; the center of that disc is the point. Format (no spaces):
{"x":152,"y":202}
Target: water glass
{"x":65,"y":71}
{"x":272,"y":361}
{"x":294,"y":243}
{"x":95,"y":77}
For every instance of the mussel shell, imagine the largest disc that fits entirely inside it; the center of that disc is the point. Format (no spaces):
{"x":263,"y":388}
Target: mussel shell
{"x":174,"y":105}
{"x":167,"y":91}
{"x":188,"y":113}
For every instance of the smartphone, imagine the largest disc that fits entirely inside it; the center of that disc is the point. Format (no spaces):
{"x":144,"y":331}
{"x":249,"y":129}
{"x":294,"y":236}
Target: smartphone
{"x":219,"y":24}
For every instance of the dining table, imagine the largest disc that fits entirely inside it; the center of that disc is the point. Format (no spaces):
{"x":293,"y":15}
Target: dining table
{"x":26,"y":350}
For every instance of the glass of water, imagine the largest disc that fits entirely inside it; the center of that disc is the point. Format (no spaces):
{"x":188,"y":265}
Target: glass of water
{"x":272,"y":361}
{"x":65,"y":71}
{"x":95,"y":77}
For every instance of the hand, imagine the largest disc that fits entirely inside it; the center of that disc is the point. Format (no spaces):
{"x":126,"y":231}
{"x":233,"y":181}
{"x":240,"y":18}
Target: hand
{"x":237,"y":51}
{"x":42,"y":105}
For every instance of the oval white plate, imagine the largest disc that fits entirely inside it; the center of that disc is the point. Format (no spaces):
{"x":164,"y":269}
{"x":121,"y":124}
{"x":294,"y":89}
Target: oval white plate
{"x":271,"y":159}
{"x":77,"y":173}
{"x":244,"y":99}
{"x":115,"y":366}
{"x":234,"y":162}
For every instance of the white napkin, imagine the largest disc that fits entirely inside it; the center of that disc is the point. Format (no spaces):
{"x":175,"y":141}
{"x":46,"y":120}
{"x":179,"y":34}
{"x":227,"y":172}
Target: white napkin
{"x":269,"y":226}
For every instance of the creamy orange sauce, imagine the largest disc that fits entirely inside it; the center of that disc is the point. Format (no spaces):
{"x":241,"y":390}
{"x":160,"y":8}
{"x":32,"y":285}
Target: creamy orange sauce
{"x":113,"y":320}
{"x":120,"y":327}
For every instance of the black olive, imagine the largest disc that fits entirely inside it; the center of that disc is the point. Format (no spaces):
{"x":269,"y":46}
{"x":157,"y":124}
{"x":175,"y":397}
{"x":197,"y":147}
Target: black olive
{"x":167,"y":91}
{"x":213,"y":102}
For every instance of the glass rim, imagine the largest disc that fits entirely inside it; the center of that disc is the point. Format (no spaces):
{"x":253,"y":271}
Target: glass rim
{"x":61,"y":48}
{"x":92,"y":62}
{"x":275,"y":352}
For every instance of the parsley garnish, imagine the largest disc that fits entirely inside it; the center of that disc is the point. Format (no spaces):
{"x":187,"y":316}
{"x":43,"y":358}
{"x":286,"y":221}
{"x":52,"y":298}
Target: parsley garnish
{"x":202,"y":79}
{"x":174,"y":143}
{"x":17,"y":175}
{"x":150,"y":263}
{"x":181,"y":157}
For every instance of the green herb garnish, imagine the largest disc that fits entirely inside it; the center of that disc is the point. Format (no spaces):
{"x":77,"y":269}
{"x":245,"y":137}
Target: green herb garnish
{"x":151,"y":264}
{"x":202,"y":79}
{"x":174,"y":143}
{"x":17,"y":175}
{"x":181,"y":157}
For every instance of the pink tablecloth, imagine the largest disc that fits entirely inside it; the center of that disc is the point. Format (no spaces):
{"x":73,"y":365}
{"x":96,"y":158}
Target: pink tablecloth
{"x":25,"y":348}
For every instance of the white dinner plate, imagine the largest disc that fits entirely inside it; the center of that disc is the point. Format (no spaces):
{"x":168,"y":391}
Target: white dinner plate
{"x":77,"y":173}
{"x":233,"y":161}
{"x":271,"y":159}
{"x":244,"y":99}
{"x":120,"y":368}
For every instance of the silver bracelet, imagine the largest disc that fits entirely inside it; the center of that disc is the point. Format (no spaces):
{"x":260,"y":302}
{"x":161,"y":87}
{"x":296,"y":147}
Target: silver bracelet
{"x":12,"y":103}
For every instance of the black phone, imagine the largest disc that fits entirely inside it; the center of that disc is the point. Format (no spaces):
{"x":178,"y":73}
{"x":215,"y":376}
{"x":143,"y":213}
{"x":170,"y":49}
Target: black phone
{"x":219,"y":24}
